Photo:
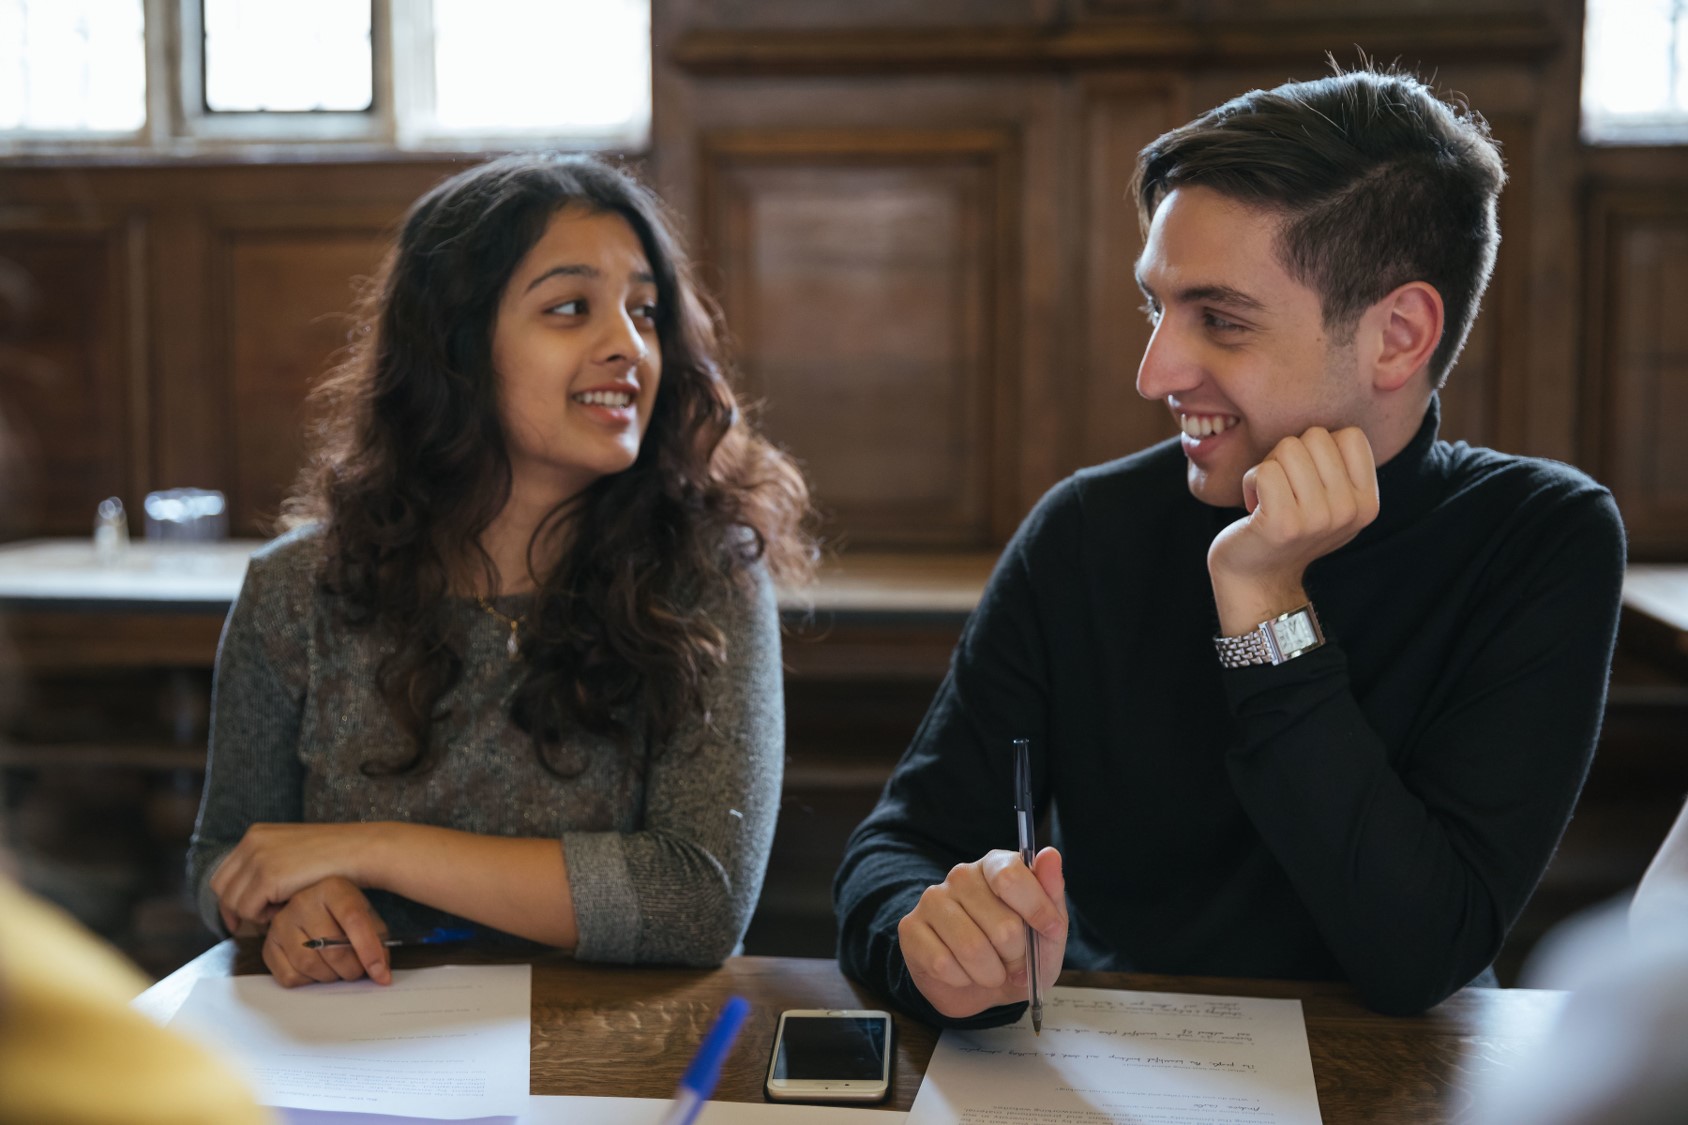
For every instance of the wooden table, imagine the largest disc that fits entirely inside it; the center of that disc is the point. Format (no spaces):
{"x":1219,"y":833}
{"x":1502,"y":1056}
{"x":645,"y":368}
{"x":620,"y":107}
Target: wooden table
{"x":629,"y":1032}
{"x":1655,"y":612}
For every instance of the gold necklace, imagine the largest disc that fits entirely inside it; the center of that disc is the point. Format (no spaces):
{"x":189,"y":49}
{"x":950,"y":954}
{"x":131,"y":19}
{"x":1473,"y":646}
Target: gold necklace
{"x":514,"y":645}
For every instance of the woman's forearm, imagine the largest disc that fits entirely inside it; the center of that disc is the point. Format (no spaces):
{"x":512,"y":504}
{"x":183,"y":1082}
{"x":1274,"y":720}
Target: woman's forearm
{"x":518,"y":885}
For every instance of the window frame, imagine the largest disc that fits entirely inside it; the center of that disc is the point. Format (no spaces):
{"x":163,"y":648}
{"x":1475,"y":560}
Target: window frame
{"x":178,"y":124}
{"x":1597,"y":129}
{"x":374,"y":125}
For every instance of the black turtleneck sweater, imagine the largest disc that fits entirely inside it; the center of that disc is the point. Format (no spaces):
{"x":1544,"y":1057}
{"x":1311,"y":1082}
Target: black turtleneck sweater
{"x":1377,"y":810}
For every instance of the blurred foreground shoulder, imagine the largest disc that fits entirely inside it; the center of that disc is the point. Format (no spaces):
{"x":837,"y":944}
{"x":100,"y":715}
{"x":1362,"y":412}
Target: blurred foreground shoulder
{"x":72,"y":1050}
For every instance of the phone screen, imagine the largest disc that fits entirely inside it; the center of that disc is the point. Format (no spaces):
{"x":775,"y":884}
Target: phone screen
{"x":831,"y":1047}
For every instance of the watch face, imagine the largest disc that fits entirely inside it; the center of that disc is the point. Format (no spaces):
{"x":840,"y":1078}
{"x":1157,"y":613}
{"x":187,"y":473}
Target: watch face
{"x":1294,"y":632}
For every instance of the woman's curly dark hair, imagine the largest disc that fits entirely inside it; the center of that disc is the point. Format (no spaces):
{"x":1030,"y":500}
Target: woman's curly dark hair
{"x":408,"y":467}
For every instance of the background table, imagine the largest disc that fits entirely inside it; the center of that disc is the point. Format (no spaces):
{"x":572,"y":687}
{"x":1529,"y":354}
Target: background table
{"x":1655,"y":612}
{"x":629,"y":1032}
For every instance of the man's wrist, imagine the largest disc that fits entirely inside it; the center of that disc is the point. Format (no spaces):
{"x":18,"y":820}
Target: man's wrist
{"x":1244,"y":604}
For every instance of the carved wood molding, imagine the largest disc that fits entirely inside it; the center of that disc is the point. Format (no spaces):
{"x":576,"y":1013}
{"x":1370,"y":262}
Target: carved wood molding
{"x":1157,"y":42}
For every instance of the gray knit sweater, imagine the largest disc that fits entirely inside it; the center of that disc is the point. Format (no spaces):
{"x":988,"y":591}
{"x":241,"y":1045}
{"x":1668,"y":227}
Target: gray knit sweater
{"x":665,"y":856}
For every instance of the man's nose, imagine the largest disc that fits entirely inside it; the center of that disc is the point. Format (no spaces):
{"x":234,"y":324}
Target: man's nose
{"x":1167,"y":366}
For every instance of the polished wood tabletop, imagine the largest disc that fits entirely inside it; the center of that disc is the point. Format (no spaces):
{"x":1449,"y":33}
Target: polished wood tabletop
{"x":1655,"y":612}
{"x":629,"y":1032}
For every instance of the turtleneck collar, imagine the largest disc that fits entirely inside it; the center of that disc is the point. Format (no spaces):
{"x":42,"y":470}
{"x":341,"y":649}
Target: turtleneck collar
{"x":1407,"y":482}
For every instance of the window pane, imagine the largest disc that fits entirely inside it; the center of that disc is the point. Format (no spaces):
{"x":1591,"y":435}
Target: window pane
{"x":297,"y":56}
{"x":72,"y":65}
{"x":564,"y":66}
{"x":1635,"y":69}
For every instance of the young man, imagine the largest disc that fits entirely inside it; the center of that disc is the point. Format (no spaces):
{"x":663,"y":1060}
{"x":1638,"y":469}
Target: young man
{"x":1232,"y":791}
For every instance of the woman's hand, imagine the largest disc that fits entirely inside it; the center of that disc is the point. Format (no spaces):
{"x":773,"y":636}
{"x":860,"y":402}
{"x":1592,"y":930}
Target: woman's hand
{"x":332,"y":908}
{"x":273,"y":862}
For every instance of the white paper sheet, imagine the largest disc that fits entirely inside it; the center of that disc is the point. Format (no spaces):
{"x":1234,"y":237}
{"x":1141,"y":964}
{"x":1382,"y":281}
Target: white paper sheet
{"x":1110,"y":1058}
{"x":544,"y":1110}
{"x":649,"y":1111}
{"x":449,"y":1042}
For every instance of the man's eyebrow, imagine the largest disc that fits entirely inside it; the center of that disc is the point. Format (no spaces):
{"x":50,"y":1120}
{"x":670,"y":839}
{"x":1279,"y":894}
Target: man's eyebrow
{"x":642,"y":277}
{"x":1220,"y":295}
{"x":1195,"y":294}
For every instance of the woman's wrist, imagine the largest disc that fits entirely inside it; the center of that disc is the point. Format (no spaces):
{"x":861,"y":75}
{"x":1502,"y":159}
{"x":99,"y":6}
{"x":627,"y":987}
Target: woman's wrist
{"x":375,"y":846}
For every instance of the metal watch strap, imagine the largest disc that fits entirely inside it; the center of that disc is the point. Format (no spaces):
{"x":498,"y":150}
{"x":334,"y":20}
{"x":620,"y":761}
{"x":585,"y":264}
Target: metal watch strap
{"x":1260,"y":646}
{"x":1243,"y":651}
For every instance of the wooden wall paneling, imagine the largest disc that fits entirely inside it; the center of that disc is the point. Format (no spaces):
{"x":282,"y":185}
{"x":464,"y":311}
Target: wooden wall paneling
{"x":1121,"y":116}
{"x":1638,"y":357}
{"x":1186,"y":40}
{"x":1488,"y":391}
{"x":1350,"y":11}
{"x":1106,"y":9}
{"x":869,"y":278}
{"x":1547,"y":337}
{"x":72,"y":373}
{"x":188,"y":423}
{"x":286,"y":278}
{"x":1045,"y":366}
{"x":1515,"y":293}
{"x":174,"y":401}
{"x":782,"y":14}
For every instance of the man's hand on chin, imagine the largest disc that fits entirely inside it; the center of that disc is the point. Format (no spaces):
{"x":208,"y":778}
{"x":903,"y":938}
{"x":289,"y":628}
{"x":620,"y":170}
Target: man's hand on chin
{"x":1311,"y":495}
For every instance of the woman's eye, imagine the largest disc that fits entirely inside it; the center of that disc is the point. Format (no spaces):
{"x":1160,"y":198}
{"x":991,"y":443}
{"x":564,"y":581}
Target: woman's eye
{"x":569,"y":308}
{"x":646,"y":311}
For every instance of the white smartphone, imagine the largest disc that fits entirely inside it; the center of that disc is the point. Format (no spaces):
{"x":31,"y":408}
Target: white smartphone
{"x":831,"y":1055}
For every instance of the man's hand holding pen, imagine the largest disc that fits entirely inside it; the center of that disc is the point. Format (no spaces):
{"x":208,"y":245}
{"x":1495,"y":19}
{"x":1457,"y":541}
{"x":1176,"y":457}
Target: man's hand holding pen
{"x":965,"y":941}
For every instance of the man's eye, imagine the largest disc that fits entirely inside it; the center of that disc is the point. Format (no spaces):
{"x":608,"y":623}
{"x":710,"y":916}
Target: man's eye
{"x":569,"y":308}
{"x":1148,"y":309}
{"x":1220,"y":324}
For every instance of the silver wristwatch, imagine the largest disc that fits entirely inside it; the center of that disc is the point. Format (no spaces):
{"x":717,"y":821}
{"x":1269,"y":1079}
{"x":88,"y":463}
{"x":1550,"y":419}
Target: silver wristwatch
{"x":1285,"y":637}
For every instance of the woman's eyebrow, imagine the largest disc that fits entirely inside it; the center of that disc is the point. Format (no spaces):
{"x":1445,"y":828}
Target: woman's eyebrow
{"x":643,"y":277}
{"x":564,"y":271}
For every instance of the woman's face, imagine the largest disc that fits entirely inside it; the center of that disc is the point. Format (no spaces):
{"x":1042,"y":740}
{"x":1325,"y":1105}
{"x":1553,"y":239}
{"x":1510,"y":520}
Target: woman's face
{"x":576,"y":354}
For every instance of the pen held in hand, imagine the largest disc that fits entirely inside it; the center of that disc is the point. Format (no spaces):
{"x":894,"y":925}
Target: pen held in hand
{"x":1028,"y":852}
{"x":440,"y":935}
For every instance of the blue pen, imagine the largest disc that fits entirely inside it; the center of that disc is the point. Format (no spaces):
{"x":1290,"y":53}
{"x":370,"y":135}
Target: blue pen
{"x":699,"y":1080}
{"x":439,"y":935}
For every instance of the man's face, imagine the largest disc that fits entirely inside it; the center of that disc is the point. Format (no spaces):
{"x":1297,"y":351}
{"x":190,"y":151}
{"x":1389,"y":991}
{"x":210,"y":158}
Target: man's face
{"x":1239,"y":351}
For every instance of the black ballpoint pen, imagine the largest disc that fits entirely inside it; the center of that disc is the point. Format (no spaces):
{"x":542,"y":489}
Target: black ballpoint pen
{"x":1028,"y":852}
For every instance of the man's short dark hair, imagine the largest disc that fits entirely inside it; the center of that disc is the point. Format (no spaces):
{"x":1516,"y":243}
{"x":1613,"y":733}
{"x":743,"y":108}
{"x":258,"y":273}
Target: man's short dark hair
{"x":1378,"y":180}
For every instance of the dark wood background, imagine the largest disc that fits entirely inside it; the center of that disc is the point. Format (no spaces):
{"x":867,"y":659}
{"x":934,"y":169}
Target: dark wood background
{"x":915,"y":218}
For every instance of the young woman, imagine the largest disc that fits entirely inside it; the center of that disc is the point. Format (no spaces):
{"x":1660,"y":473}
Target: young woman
{"x":518,"y":660}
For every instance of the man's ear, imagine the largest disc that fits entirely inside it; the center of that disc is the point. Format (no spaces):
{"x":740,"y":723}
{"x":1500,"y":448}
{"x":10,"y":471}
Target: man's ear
{"x":1405,"y":328}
